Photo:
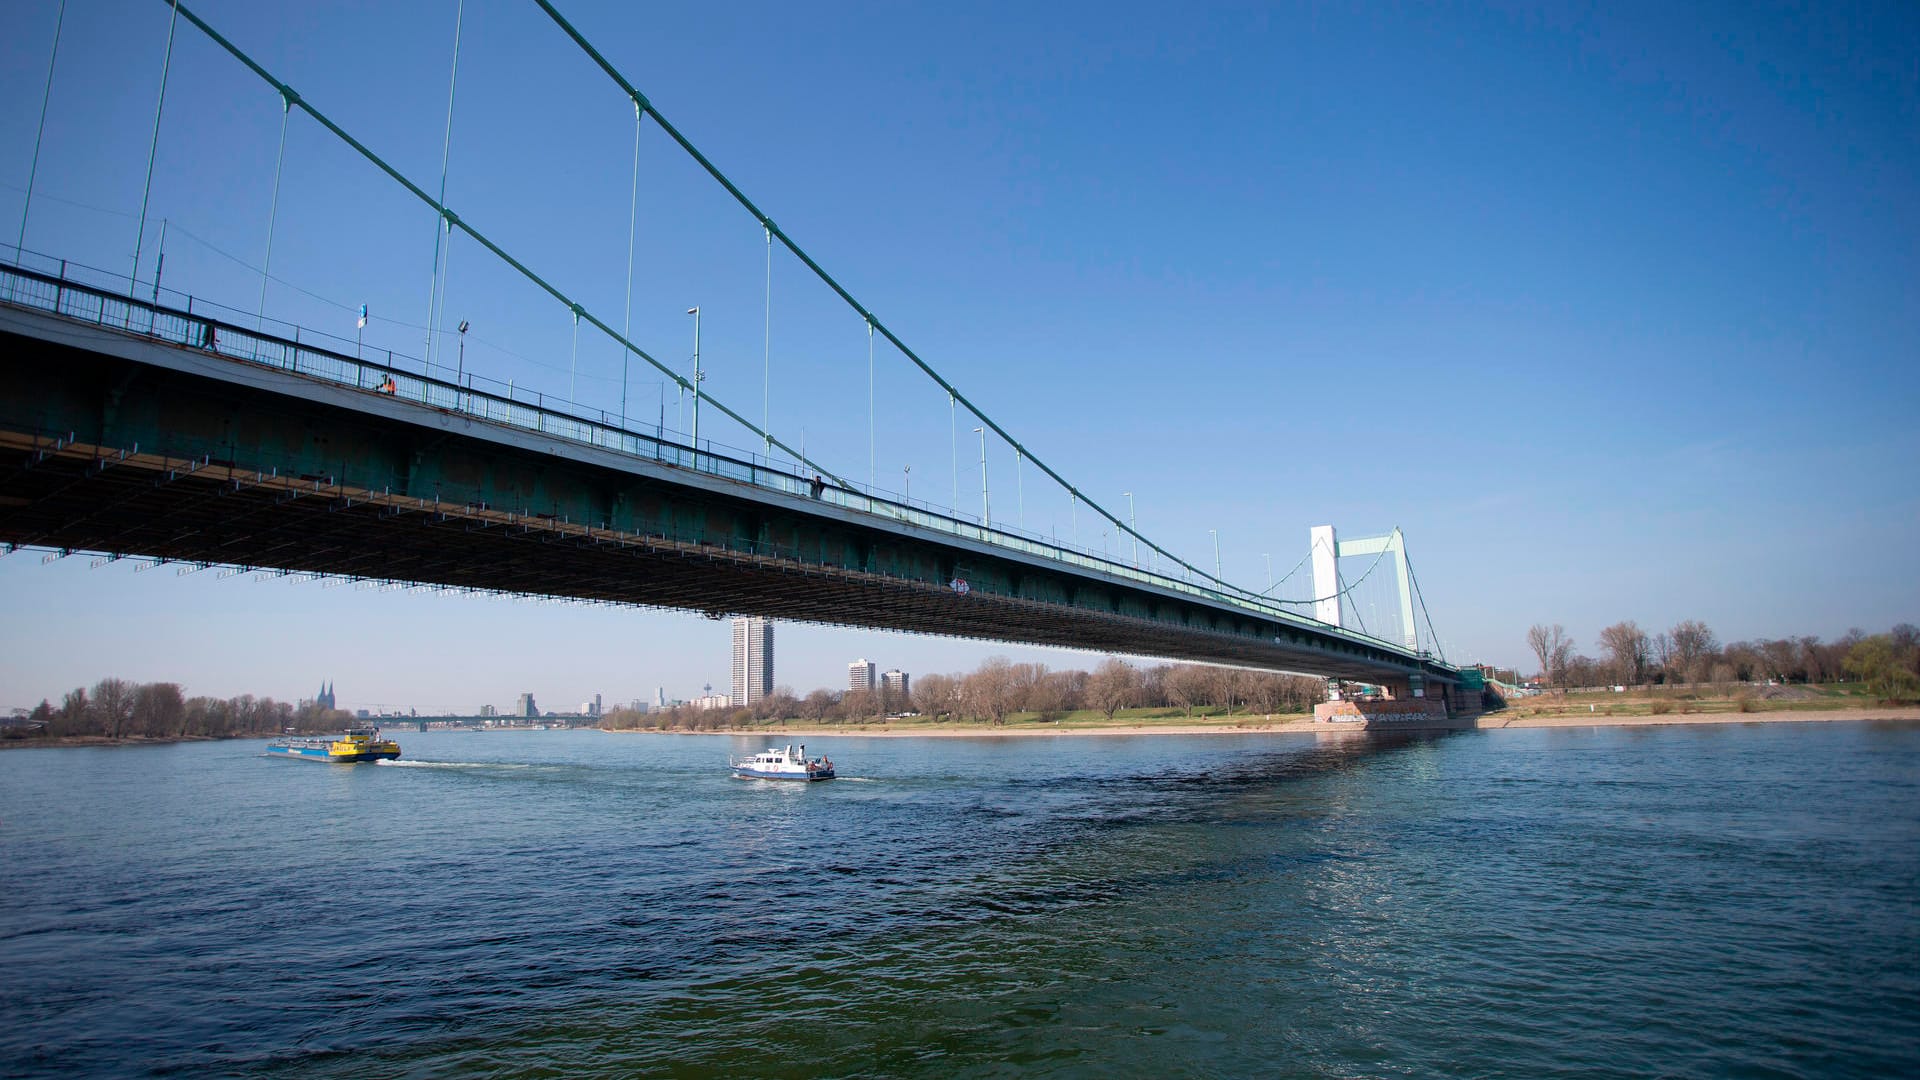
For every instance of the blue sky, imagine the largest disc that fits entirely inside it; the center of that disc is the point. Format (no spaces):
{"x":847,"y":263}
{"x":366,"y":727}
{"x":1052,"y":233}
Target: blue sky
{"x":1614,"y":309}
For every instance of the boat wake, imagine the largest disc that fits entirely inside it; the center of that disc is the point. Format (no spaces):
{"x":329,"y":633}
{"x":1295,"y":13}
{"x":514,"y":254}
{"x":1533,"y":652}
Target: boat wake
{"x":454,"y":764}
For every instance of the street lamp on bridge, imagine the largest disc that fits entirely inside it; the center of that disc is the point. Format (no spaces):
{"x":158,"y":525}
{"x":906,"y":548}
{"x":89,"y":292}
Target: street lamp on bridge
{"x":1215,"y":533}
{"x":460,"y":374}
{"x":695,"y":312}
{"x":1130,"y":529}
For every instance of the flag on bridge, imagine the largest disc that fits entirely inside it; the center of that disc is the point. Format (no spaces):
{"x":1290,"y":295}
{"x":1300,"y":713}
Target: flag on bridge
{"x":363,"y":316}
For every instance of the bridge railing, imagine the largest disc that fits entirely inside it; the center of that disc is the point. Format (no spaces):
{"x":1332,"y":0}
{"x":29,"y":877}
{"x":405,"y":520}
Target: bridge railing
{"x":102,"y":297}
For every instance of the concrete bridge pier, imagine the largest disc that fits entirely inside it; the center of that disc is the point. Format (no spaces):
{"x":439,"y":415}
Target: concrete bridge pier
{"x":1407,"y":702}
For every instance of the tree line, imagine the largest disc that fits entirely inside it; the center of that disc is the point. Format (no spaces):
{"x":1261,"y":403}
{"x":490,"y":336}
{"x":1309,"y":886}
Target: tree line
{"x":1690,"y":652}
{"x":122,"y":709}
{"x":999,"y":689}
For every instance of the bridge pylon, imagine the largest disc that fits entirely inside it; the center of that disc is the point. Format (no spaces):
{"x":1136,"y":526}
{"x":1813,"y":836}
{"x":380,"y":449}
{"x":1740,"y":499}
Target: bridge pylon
{"x":1330,"y":599}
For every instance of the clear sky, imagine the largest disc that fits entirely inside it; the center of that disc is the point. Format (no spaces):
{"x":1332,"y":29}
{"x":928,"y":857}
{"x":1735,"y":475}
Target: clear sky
{"x":1614,"y":309}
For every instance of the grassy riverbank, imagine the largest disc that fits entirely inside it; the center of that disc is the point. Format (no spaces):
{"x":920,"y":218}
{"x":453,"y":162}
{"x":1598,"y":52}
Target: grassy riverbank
{"x":1082,"y":721}
{"x":28,"y":742}
{"x":1678,"y":703}
{"x":1771,"y":716}
{"x":1698,"y":705}
{"x":1688,"y":706}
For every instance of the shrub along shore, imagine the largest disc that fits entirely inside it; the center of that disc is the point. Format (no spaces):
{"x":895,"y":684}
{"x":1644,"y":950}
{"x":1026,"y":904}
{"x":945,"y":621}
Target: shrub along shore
{"x":1591,"y":709}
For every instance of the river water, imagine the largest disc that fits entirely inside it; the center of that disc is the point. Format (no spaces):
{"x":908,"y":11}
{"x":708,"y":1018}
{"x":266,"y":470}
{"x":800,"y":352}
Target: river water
{"x":1737,"y":900}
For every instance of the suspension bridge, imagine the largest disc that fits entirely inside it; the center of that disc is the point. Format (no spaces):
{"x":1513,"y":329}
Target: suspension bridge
{"x":141,"y":421}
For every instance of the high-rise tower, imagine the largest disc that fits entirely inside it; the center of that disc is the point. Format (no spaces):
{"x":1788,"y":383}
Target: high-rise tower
{"x":752,"y":660}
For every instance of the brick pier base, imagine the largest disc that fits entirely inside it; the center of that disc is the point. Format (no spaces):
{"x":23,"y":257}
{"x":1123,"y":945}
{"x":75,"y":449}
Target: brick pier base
{"x":1399,"y":714}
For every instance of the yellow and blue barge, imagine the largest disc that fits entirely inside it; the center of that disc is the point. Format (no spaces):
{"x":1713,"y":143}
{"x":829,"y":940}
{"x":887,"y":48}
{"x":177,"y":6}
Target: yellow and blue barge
{"x":355,"y":745}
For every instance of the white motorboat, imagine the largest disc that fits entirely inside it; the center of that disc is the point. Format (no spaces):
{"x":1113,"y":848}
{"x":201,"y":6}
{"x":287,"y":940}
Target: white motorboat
{"x":783,"y":763}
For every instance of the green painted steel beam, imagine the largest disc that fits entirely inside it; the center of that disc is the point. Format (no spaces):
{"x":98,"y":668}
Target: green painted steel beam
{"x":121,"y":391}
{"x":454,"y":221}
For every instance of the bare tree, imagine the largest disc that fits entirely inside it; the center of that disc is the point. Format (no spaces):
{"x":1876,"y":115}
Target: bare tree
{"x":1781,"y":659}
{"x":778,"y":705}
{"x":76,"y":713}
{"x":620,"y":718}
{"x":935,"y":695}
{"x":1744,"y":657}
{"x":1058,"y":692}
{"x":1153,"y":685}
{"x":988,"y":693}
{"x":1068,"y":689}
{"x":1906,"y":646}
{"x":1113,"y":686}
{"x":1266,"y":691}
{"x":1554,"y":649}
{"x":1226,"y":687}
{"x":1813,"y":658}
{"x":1693,"y":648}
{"x":1188,"y":685}
{"x":1626,"y":646}
{"x":1540,"y":640}
{"x":159,"y":710}
{"x":860,"y":704}
{"x":1579,"y":671}
{"x":1304,"y":692}
{"x":113,"y":703}
{"x":1834,"y":653}
{"x":1023,"y":685}
{"x":818,"y":705}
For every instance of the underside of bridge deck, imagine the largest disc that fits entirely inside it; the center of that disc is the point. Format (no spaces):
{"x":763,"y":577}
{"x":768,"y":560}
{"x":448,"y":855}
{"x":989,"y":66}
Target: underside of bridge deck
{"x":109,"y":454}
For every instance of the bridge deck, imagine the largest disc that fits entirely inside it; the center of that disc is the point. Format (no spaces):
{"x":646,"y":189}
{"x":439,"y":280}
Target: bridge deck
{"x":116,"y":439}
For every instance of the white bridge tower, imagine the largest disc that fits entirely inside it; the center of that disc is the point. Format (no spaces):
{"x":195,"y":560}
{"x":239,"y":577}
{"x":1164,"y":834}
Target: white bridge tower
{"x":1330,"y":600}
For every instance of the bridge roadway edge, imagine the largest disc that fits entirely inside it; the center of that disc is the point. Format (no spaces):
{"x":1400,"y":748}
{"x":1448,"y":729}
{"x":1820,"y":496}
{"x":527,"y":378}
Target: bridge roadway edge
{"x":183,"y":455}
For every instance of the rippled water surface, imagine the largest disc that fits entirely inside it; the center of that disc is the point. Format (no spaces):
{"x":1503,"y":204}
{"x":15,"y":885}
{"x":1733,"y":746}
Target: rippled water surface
{"x":1726,"y":900}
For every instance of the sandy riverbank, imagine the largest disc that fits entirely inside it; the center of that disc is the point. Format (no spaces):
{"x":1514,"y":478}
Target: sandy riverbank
{"x":1770,"y":716}
{"x":1279,"y":724}
{"x":1489,"y":722}
{"x":982,"y":731}
{"x":102,"y":740}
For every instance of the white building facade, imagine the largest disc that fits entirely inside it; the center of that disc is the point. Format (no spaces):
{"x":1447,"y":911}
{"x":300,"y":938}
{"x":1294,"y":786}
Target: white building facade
{"x":752,"y":661}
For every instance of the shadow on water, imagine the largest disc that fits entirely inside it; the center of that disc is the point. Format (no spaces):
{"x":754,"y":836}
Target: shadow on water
{"x":1332,"y":752}
{"x":1097,"y":839}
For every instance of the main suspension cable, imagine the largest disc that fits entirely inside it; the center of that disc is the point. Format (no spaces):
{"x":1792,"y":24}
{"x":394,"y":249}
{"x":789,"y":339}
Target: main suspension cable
{"x":454,"y":221}
{"x":1432,"y":635}
{"x":827,"y":279}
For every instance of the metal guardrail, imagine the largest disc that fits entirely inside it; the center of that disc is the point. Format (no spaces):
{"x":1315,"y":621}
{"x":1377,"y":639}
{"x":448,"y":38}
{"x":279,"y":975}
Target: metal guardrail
{"x":106,"y":299}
